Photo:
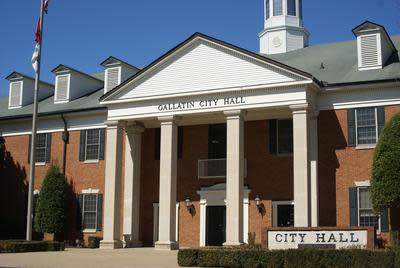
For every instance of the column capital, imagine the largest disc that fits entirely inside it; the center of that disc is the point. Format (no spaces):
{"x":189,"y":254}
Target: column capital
{"x":134,"y":128}
{"x":300,"y":108}
{"x":114,"y":124}
{"x":168,"y":119}
{"x":235,"y":114}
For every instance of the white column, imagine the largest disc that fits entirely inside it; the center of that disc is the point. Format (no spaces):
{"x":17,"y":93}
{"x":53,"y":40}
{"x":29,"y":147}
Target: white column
{"x":168,"y":169}
{"x":314,"y":168}
{"x":301,"y":166}
{"x":234,"y":178}
{"x":112,"y":191}
{"x":133,"y":145}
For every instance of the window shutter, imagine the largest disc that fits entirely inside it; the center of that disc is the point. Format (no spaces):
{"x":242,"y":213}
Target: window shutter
{"x":353,"y":204}
{"x":385,"y":220}
{"x":369,"y":50}
{"x":15,"y":94}
{"x":381,"y":119}
{"x":82,"y":146}
{"x":112,"y":78}
{"x":62,"y":88}
{"x":351,"y":127}
{"x":29,"y":149}
{"x":157,"y":137}
{"x":99,"y":212}
{"x":273,"y":136}
{"x":48,"y":148}
{"x":79,"y":207}
{"x":102,"y":143}
{"x":180,"y":142}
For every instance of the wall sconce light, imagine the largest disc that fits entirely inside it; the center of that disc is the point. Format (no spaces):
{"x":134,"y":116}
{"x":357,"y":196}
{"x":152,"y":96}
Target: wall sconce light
{"x":189,"y":205}
{"x":259,"y":205}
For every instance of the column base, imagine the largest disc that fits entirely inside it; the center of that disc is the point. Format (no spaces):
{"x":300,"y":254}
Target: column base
{"x":113,"y":244}
{"x":166,"y":245}
{"x":133,"y":244}
{"x":232,"y":244}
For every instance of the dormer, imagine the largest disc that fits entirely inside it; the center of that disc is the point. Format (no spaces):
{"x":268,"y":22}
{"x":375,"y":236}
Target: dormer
{"x":22,"y":89}
{"x":72,"y":84}
{"x":116,"y":72}
{"x":374,"y":46}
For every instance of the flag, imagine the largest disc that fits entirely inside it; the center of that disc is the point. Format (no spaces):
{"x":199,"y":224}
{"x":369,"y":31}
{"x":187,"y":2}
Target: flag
{"x":35,"y":56}
{"x":46,"y":6}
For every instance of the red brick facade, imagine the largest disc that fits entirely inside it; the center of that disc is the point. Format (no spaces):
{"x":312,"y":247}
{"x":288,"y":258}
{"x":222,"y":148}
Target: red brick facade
{"x":269,"y":176}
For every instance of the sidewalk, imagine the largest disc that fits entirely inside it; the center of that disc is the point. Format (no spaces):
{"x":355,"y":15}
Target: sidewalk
{"x":73,"y":257}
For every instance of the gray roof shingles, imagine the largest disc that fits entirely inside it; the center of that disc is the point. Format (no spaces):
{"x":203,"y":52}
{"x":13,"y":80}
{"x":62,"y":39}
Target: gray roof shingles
{"x":339,"y":62}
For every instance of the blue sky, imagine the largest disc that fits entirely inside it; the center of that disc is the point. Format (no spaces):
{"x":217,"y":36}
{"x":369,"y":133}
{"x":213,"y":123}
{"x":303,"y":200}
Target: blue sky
{"x":82,"y":34}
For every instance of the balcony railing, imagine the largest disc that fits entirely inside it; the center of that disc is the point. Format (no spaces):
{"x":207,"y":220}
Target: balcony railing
{"x":214,"y":168}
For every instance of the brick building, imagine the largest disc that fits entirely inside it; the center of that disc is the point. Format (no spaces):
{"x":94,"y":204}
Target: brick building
{"x":211,"y":142}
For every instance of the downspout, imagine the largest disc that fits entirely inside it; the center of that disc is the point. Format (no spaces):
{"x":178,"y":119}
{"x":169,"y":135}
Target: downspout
{"x":65,"y":138}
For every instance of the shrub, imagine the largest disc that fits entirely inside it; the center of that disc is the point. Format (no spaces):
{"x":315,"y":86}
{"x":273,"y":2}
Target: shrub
{"x":94,"y":241}
{"x":15,"y":246}
{"x":51,"y":209}
{"x":258,"y":258}
{"x":385,"y":184}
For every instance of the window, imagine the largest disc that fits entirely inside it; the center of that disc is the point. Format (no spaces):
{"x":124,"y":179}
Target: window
{"x":281,"y":136}
{"x":283,"y":213}
{"x":267,"y":9}
{"x":217,"y":141}
{"x":89,"y":213}
{"x":15,"y":94}
{"x":291,"y":7}
{"x":366,"y":215}
{"x":301,"y":9}
{"x":62,"y":88}
{"x":43,"y":148}
{"x":278,"y":11}
{"x":366,"y":126}
{"x":92,"y":144}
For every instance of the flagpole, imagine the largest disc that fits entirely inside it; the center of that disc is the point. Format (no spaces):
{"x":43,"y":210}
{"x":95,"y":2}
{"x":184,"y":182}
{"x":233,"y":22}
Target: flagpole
{"x":29,"y":216}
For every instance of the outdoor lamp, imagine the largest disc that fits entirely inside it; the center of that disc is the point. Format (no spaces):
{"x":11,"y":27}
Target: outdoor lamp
{"x":258,"y":204}
{"x":189,"y":205}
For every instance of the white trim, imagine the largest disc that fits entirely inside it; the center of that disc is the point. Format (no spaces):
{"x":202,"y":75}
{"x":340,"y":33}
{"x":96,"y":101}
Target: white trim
{"x":201,"y":93}
{"x":275,"y":205}
{"x":106,"y":89}
{"x":90,"y":191}
{"x":94,"y":161}
{"x":86,"y":145}
{"x":366,"y":183}
{"x":20,"y":95}
{"x":55,"y":130}
{"x":40,"y":164}
{"x":168,"y":57}
{"x":90,"y":230}
{"x":378,"y":231}
{"x":216,"y":196}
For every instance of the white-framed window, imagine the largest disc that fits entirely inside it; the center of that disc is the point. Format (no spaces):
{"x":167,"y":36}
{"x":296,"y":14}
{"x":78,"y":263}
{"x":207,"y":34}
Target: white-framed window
{"x":89,"y":211}
{"x":278,"y":7}
{"x":267,"y":9}
{"x":291,"y":7}
{"x":284,"y":134}
{"x":366,"y":214}
{"x":92,"y":150}
{"x":41,"y":148}
{"x":366,"y":126}
{"x":283,"y":213}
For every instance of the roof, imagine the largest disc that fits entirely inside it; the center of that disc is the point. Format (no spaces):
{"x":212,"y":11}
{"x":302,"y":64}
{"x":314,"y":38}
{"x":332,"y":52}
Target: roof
{"x":62,"y":66}
{"x":48,"y":107}
{"x":214,"y":40}
{"x":337,"y":64}
{"x":112,"y":58}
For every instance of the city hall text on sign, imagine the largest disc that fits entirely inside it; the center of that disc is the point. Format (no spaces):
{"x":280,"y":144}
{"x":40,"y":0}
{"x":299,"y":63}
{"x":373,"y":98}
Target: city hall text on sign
{"x":200,"y":104}
{"x":335,"y":239}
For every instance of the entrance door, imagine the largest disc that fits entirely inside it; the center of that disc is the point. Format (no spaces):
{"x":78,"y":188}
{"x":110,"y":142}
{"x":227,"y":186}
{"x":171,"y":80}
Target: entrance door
{"x":215,"y":227}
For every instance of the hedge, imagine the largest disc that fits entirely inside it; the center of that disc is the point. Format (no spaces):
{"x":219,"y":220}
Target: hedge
{"x":310,"y":258}
{"x":14,"y":246}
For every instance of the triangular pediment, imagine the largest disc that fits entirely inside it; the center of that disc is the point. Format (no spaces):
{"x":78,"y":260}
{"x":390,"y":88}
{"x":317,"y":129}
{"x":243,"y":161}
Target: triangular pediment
{"x":203,"y":65}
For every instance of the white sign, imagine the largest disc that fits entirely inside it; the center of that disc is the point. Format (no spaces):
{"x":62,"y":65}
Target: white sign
{"x":317,"y":239}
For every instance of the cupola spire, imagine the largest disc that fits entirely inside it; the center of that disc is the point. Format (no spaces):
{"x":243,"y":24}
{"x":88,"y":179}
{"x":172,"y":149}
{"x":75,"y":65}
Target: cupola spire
{"x":283,"y":27}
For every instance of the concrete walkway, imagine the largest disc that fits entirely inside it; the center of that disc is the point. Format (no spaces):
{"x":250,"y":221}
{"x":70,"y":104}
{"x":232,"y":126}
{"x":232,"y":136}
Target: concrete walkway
{"x":72,"y":257}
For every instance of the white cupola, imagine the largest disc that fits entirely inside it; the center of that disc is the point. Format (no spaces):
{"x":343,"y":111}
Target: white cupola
{"x":116,"y":72}
{"x":283,"y":27}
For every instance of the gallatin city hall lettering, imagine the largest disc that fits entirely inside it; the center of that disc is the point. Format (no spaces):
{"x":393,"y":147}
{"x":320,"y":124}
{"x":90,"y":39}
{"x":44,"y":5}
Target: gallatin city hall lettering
{"x":200,"y":104}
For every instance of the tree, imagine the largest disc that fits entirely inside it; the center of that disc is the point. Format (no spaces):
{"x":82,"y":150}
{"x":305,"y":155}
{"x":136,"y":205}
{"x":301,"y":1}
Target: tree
{"x":385,"y":185}
{"x":51,"y":209}
{"x":2,"y":151}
